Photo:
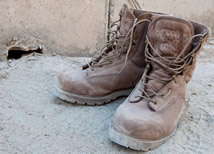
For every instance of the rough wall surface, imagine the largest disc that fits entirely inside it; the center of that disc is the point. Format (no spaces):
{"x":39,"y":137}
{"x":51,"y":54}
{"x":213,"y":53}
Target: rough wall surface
{"x":78,"y":28}
{"x":68,"y":27}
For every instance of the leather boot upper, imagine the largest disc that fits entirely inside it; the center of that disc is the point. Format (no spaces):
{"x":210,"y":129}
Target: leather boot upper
{"x":120,"y":65}
{"x":152,"y":110}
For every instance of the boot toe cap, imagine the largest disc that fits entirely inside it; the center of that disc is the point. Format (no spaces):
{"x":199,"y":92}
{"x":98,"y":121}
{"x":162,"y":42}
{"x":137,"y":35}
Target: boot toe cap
{"x":72,"y":82}
{"x":131,"y":121}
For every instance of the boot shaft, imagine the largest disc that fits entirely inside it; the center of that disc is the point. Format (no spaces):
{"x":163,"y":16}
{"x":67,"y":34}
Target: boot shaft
{"x":197,"y":44}
{"x":173,"y":44}
{"x":129,"y":19}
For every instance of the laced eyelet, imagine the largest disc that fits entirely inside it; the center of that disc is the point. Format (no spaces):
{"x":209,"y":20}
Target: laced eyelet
{"x":134,"y":44}
{"x":174,"y":78}
{"x":169,"y":90}
{"x":155,"y":103}
{"x":166,"y":94}
{"x":193,"y":55}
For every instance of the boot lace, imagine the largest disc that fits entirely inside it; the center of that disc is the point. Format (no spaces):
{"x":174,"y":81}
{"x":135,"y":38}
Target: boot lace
{"x":174,"y":64}
{"x":116,"y":45}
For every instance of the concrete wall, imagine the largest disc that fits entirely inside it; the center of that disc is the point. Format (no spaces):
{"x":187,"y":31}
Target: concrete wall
{"x":78,"y":28}
{"x":67,"y":27}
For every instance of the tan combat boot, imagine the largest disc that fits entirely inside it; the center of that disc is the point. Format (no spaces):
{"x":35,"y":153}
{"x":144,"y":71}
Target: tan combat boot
{"x":149,"y":116}
{"x":118,"y":68}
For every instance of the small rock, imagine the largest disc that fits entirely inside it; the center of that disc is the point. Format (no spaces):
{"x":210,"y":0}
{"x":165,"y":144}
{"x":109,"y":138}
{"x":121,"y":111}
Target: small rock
{"x":194,"y":93}
{"x":3,"y":76}
{"x":191,"y":118}
{"x":46,"y":135}
{"x":9,"y":106}
{"x":54,"y":54}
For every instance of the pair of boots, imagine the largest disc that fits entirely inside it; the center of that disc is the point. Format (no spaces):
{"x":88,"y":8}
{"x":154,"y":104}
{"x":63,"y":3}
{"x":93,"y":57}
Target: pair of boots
{"x":151,"y":52}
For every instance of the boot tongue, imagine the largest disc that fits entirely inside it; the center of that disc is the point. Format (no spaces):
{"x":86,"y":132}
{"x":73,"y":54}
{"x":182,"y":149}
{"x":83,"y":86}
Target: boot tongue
{"x":127,"y":19}
{"x":168,"y":36}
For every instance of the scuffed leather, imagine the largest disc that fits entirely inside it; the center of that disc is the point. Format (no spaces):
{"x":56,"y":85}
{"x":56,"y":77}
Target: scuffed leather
{"x":169,"y":36}
{"x":106,"y":79}
{"x":145,"y":119}
{"x":127,"y":19}
{"x":170,"y":92}
{"x":139,"y":121}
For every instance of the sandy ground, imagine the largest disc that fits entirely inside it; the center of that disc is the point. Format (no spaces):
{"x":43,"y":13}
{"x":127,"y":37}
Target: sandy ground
{"x":32,"y":120}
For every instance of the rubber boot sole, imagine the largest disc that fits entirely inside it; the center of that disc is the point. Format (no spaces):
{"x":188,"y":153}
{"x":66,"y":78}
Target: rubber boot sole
{"x":89,"y":100}
{"x":136,"y":144}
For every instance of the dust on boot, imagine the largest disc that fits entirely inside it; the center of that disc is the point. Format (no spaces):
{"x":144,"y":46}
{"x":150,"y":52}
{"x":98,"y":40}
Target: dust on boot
{"x":118,"y":68}
{"x":149,"y":116}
